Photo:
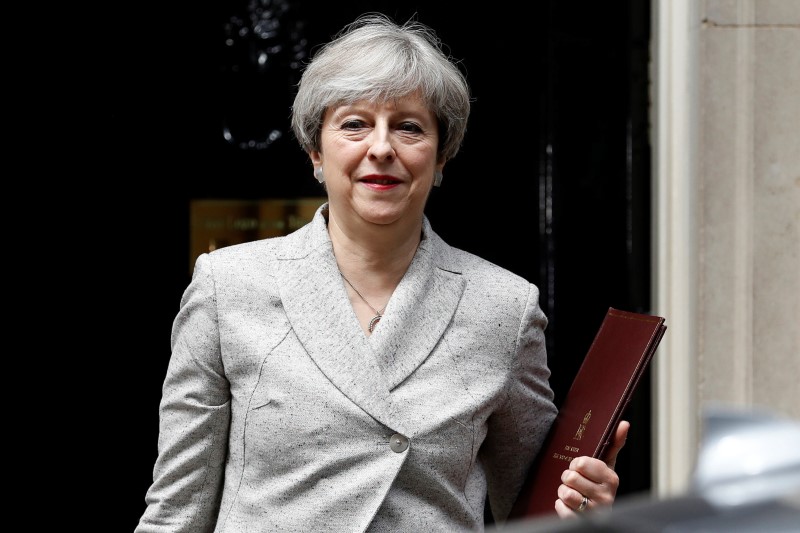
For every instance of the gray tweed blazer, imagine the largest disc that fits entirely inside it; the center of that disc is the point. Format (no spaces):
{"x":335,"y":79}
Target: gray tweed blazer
{"x":279,"y":414}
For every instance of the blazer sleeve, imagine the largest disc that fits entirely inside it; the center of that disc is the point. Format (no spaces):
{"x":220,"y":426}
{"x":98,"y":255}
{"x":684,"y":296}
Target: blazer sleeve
{"x":194,"y":419}
{"x":518,"y":429}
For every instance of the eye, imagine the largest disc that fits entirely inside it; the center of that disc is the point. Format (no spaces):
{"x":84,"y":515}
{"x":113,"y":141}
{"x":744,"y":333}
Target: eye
{"x":352,"y":124}
{"x":410,"y":127}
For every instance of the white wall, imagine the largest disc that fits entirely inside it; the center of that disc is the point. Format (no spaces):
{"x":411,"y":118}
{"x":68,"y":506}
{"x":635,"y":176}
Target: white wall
{"x":726,"y":133}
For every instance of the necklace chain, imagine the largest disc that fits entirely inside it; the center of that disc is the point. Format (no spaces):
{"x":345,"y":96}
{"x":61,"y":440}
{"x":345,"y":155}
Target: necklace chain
{"x":378,"y":314}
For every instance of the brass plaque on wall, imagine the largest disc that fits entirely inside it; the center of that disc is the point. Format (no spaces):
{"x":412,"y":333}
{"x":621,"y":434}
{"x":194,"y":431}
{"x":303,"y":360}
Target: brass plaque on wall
{"x":219,"y":223}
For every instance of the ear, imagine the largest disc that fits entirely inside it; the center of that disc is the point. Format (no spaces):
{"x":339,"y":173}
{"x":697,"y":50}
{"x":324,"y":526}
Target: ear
{"x":437,"y":174}
{"x":440,"y":164}
{"x":316,"y":158}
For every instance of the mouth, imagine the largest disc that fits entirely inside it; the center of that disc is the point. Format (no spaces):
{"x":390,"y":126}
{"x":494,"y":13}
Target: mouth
{"x":380,"y":180}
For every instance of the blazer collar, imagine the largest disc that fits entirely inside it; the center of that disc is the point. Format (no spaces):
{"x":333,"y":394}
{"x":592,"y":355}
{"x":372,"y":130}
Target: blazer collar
{"x":366,"y":369}
{"x":419,"y":311}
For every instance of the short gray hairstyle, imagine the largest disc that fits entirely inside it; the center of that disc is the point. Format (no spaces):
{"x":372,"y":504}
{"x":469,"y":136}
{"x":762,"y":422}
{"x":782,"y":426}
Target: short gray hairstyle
{"x":377,"y":59}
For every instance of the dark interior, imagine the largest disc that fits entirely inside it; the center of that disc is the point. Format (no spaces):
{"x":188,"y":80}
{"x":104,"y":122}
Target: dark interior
{"x":557,"y":156}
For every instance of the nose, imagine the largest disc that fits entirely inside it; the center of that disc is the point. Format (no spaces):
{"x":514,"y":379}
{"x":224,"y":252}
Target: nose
{"x":380,"y":147}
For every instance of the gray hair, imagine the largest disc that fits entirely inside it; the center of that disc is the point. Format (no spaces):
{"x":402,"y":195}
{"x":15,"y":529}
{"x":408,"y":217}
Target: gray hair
{"x":376,"y":59}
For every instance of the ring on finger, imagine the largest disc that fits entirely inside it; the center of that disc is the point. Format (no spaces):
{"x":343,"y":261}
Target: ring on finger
{"x":583,"y":504}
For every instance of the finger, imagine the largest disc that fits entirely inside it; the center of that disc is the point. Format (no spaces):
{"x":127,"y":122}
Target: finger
{"x":563,"y":510}
{"x":620,"y":436}
{"x":570,"y":501}
{"x":591,"y":478}
{"x":585,"y":472}
{"x":572,"y":498}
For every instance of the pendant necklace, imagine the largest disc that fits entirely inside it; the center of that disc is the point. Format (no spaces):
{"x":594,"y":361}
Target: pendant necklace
{"x":378,"y":314}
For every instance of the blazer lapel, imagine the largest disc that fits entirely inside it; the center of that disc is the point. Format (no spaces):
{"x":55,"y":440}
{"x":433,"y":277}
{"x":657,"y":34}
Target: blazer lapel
{"x":419,"y":311}
{"x":319,"y":310}
{"x":365,"y":368}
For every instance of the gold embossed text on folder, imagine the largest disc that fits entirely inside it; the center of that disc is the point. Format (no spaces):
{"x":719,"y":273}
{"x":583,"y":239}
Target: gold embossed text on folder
{"x":593,"y":406}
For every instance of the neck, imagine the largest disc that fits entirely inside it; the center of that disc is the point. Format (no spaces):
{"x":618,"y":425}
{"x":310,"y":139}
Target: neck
{"x":372,"y":258}
{"x":377,"y":254}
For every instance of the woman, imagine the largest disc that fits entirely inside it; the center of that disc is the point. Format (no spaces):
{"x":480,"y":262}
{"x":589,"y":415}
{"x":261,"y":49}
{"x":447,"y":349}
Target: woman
{"x":360,"y":374}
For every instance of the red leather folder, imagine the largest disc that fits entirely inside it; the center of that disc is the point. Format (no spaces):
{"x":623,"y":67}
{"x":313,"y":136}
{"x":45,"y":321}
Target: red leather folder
{"x":593,"y":406}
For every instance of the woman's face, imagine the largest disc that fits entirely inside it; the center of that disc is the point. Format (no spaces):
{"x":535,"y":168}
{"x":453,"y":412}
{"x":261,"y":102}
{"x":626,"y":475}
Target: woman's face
{"x":378,"y":160}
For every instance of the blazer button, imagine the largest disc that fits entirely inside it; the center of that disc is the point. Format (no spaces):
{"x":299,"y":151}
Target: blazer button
{"x":398,"y":443}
